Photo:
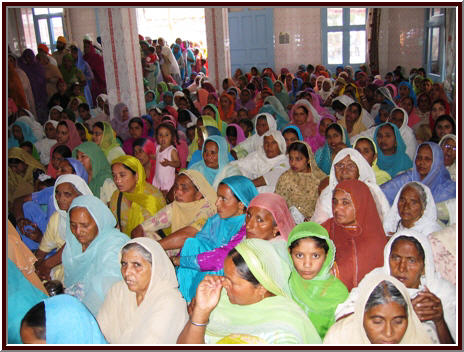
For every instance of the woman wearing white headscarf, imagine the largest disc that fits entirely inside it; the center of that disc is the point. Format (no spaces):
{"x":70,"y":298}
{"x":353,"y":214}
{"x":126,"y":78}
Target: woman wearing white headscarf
{"x":36,"y":127}
{"x":267,"y":164}
{"x":406,"y":132}
{"x":448,"y":154}
{"x":161,"y":314}
{"x":352,"y":330}
{"x":44,"y":145}
{"x":430,"y":284}
{"x":255,"y":141}
{"x":397,"y":219}
{"x":54,"y":237}
{"x":323,"y":209}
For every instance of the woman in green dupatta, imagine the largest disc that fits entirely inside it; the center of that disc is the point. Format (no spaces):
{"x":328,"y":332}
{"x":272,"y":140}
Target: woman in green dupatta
{"x":161,"y":88}
{"x":250,"y":304}
{"x":312,"y":285}
{"x":70,"y":72}
{"x":96,"y":164}
{"x":281,"y":93}
{"x":212,"y":110}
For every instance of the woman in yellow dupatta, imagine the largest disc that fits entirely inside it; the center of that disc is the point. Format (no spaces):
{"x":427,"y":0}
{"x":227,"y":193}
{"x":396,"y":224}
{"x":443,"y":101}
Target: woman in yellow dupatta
{"x":138,"y":199}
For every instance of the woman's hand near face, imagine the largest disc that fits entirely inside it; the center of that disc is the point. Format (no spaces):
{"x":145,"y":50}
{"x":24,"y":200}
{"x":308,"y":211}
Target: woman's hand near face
{"x":207,"y":297}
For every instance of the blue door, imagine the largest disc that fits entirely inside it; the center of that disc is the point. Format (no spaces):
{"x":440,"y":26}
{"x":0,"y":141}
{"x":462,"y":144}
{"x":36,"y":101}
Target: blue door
{"x":251,"y":35}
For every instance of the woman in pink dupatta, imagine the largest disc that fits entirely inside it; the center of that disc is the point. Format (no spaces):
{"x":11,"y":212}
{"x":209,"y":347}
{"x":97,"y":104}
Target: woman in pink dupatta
{"x":95,"y":62}
{"x":307,"y":125}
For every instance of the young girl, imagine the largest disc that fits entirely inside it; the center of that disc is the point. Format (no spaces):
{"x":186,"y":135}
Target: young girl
{"x":312,"y":285}
{"x":167,"y":158}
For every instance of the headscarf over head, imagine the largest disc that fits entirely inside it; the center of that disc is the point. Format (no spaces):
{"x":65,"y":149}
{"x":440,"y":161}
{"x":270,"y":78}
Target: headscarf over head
{"x":100,"y":167}
{"x":121,"y":127}
{"x":319,"y":296}
{"x":412,"y":94}
{"x":108,"y":140}
{"x":28,"y":135}
{"x":242,"y":187}
{"x":277,"y":206}
{"x":79,"y":169}
{"x":295,"y":129}
{"x":138,"y":198}
{"x":240,"y":134}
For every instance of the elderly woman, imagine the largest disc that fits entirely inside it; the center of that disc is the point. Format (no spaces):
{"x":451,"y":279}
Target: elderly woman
{"x":408,"y":257}
{"x":90,"y":257}
{"x":194,"y":202}
{"x":254,"y":306}
{"x":304,"y":175}
{"x":448,"y":145}
{"x":145,"y":307}
{"x":265,"y":165}
{"x":234,"y":196}
{"x":214,"y":164}
{"x":414,"y":209}
{"x":383,"y":299}
{"x":135,"y":200}
{"x":355,"y":229}
{"x":61,"y":319}
{"x":349,"y":164}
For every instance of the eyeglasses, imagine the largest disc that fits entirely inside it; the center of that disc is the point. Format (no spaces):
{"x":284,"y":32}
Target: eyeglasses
{"x":349,"y":167}
{"x":449,"y":147}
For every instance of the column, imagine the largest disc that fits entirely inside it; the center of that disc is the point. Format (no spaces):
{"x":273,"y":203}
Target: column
{"x":218,"y":43}
{"x":121,"y":55}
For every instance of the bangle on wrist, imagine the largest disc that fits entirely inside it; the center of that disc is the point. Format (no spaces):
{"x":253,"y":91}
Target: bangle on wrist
{"x":198,"y":324}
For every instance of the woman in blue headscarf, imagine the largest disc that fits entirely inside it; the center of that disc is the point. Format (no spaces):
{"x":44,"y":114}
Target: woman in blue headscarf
{"x":61,"y":319}
{"x":335,"y":137}
{"x":405,"y":90}
{"x":215,"y":157}
{"x":20,"y":133}
{"x":392,"y":156}
{"x":429,"y":168}
{"x":296,"y":87}
{"x":177,"y":51}
{"x":234,"y":195}
{"x":82,"y":65}
{"x":295,"y":130}
{"x":91,"y":255}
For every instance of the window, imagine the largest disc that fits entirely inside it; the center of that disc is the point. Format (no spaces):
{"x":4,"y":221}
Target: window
{"x":435,"y":43}
{"x":48,"y":25}
{"x":343,"y":37}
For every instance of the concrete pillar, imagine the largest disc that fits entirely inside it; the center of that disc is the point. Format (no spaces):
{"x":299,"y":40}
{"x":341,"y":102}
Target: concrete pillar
{"x":218,"y":43}
{"x":121,"y":55}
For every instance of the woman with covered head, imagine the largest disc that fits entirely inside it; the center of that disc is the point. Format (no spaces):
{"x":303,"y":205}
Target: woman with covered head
{"x":352,"y":120}
{"x":408,"y":257}
{"x":280,"y":92}
{"x":138,"y":128}
{"x":44,"y":145}
{"x":61,"y":319}
{"x":263,"y":123}
{"x":104,"y":135}
{"x":265,"y":165}
{"x":336,"y":138}
{"x":355,"y":229}
{"x":414,"y":209}
{"x":399,"y":117}
{"x":145,"y":307}
{"x":135,"y":200}
{"x":349,"y":164}
{"x":392,"y":156}
{"x":67,"y":187}
{"x":95,"y":62}
{"x":304,"y":175}
{"x":448,"y":145}
{"x":312,"y":285}
{"x":382,"y":314}
{"x":368,"y":149}
{"x":250,"y":304}
{"x":234,"y":196}
{"x":120,"y":120}
{"x":305,"y":117}
{"x":90,"y":257}
{"x":194,"y":202}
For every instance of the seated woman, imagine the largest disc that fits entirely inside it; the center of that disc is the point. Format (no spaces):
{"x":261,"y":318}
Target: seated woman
{"x":267,"y":164}
{"x":448,"y":145}
{"x":99,"y":171}
{"x":392,"y":150}
{"x":413,"y":209}
{"x":383,"y":314}
{"x":349,"y":165}
{"x":336,"y":139}
{"x":312,"y":285}
{"x":299,"y":185}
{"x":201,"y":134}
{"x":90,"y":257}
{"x":291,"y":134}
{"x":104,"y":135}
{"x":408,"y":257}
{"x":399,"y":117}
{"x":255,"y":306}
{"x":429,"y":169}
{"x":234,"y":134}
{"x":135,"y":200}
{"x":44,"y":145}
{"x":367,"y":148}
{"x":194,"y":202}
{"x":145,"y":307}
{"x":138,"y":128}
{"x":306,"y":118}
{"x":263,"y":123}
{"x":60,"y":319}
{"x":355,"y":229}
{"x":234,"y":195}
{"x":67,"y":187}
{"x":352,"y":120}
{"x":214,"y":161}
{"x":444,"y":124}
{"x":145,"y":151}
